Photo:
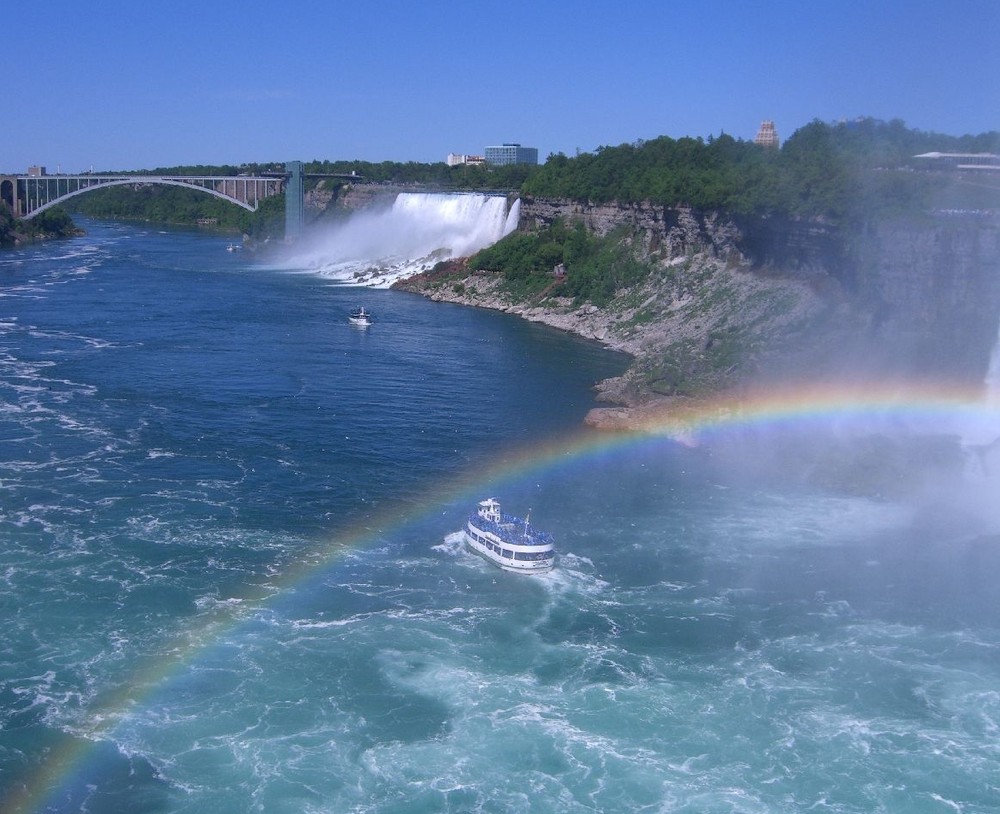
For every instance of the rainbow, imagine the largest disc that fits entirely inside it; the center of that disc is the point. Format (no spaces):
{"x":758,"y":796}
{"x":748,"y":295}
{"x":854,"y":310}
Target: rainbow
{"x":924,"y":405}
{"x":921,"y":407}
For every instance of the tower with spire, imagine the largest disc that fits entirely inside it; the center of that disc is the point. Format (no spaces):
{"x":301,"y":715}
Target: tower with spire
{"x":767,"y":136}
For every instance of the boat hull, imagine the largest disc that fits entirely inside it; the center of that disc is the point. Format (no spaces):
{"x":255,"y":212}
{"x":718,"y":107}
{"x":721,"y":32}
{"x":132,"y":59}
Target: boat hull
{"x":360,"y":317}
{"x":507,"y":555}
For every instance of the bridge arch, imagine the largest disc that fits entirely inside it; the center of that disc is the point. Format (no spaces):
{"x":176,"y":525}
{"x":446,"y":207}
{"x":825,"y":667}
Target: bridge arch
{"x":145,"y":179}
{"x":27,"y":195}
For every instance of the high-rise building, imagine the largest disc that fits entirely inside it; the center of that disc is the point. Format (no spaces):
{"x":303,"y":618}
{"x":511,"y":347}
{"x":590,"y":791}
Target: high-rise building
{"x":511,"y":154}
{"x":767,"y":136}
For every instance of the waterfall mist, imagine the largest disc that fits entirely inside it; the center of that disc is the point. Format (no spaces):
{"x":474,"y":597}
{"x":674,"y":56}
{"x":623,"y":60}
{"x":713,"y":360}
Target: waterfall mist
{"x":377,"y":247}
{"x":993,"y":374}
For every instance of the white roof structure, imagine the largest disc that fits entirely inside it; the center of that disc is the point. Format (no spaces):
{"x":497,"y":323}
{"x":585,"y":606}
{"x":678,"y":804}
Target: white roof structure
{"x":964,"y":161}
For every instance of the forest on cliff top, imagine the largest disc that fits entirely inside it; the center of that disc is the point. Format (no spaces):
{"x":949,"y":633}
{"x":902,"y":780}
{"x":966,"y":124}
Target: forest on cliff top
{"x":835,"y":171}
{"x":845,"y":175}
{"x":840,"y":172}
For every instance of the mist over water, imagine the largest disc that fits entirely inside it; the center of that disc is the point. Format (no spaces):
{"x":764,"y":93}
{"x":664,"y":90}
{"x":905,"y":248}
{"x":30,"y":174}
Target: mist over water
{"x":993,"y":375}
{"x":377,"y":247}
{"x":233,"y":579}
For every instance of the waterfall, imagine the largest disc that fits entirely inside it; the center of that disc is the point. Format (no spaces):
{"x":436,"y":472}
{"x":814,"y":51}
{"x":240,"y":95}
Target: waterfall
{"x":982,"y":441}
{"x":376,"y":248}
{"x":993,"y":373}
{"x":513,"y":217}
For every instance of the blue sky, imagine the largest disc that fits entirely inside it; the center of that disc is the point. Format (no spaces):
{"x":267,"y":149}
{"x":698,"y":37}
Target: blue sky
{"x":125,"y":85}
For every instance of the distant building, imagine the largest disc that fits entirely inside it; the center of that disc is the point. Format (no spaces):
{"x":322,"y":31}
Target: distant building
{"x":961,"y":162}
{"x":36,"y":172}
{"x":511,"y":154}
{"x":455,"y":159}
{"x":766,"y":136}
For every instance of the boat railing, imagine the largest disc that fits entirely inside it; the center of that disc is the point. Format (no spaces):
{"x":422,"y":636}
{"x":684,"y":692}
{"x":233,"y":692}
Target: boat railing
{"x":532,"y":536}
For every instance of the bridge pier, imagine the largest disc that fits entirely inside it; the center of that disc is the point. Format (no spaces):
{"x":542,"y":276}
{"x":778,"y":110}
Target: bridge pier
{"x":294,"y":201}
{"x":8,"y":194}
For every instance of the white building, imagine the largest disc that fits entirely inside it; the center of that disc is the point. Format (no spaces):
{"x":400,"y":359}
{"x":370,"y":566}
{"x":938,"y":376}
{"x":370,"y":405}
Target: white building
{"x":456,"y":159}
{"x":989,"y":162}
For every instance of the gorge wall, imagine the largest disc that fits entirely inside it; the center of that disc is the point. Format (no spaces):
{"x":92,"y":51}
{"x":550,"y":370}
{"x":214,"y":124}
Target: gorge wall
{"x":932,"y":290}
{"x":914,"y":296}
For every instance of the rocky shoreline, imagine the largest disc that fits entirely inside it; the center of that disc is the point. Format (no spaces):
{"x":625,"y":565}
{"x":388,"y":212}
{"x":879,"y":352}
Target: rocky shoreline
{"x":768,"y":301}
{"x":676,"y":316}
{"x":483,"y":290}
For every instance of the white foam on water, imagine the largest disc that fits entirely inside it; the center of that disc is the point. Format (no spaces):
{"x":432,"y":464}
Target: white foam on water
{"x":377,"y":248}
{"x":453,"y":544}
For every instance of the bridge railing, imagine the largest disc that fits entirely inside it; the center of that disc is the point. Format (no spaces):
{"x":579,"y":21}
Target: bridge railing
{"x":36,"y":193}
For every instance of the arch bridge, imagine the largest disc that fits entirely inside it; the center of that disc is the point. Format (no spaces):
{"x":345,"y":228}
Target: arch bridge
{"x":29,"y":195}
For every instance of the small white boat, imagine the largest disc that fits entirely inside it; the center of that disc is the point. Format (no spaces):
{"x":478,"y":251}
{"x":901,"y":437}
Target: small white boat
{"x":359,"y":316}
{"x":508,"y":542}
{"x":234,"y":247}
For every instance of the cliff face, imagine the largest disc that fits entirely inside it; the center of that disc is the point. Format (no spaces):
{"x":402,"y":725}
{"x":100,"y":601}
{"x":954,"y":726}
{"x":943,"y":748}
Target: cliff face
{"x":333,"y":200}
{"x":932,"y":291}
{"x":671,"y":231}
{"x":911,"y":297}
{"x":700,"y":320}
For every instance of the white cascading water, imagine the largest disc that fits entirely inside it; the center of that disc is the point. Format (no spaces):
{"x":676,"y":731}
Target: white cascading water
{"x":378,"y":247}
{"x":982,"y":439}
{"x":513,"y":217}
{"x":993,"y":374}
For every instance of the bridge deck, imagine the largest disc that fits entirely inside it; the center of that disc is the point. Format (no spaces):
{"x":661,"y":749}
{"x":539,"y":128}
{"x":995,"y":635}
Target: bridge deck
{"x":29,"y":195}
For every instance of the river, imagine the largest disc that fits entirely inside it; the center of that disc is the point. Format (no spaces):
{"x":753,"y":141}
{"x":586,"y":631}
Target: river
{"x":234,"y":580}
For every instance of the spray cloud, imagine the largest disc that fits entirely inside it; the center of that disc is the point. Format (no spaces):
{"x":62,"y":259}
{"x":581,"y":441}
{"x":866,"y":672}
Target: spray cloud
{"x":377,"y":247}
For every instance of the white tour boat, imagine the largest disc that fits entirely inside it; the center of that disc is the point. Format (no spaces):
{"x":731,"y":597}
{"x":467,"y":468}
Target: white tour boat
{"x":359,"y":316}
{"x":508,"y":542}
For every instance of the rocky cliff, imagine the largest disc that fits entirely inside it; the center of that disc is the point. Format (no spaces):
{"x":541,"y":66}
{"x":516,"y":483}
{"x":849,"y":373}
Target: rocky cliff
{"x":732,"y":300}
{"x":666,"y":230}
{"x":925,"y":291}
{"x":334,"y":199}
{"x":931,"y":291}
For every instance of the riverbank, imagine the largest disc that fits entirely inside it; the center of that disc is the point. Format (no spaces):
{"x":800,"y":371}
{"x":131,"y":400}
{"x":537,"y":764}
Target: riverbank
{"x":49,"y":225}
{"x":702,"y":326}
{"x":768,"y":301}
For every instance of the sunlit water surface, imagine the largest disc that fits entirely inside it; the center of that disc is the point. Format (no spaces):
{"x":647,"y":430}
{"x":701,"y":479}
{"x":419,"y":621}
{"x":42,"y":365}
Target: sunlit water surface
{"x":232,"y":579}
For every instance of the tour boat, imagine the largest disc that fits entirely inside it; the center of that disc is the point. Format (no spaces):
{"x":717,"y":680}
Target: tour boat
{"x":359,"y":316}
{"x":508,"y":542}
